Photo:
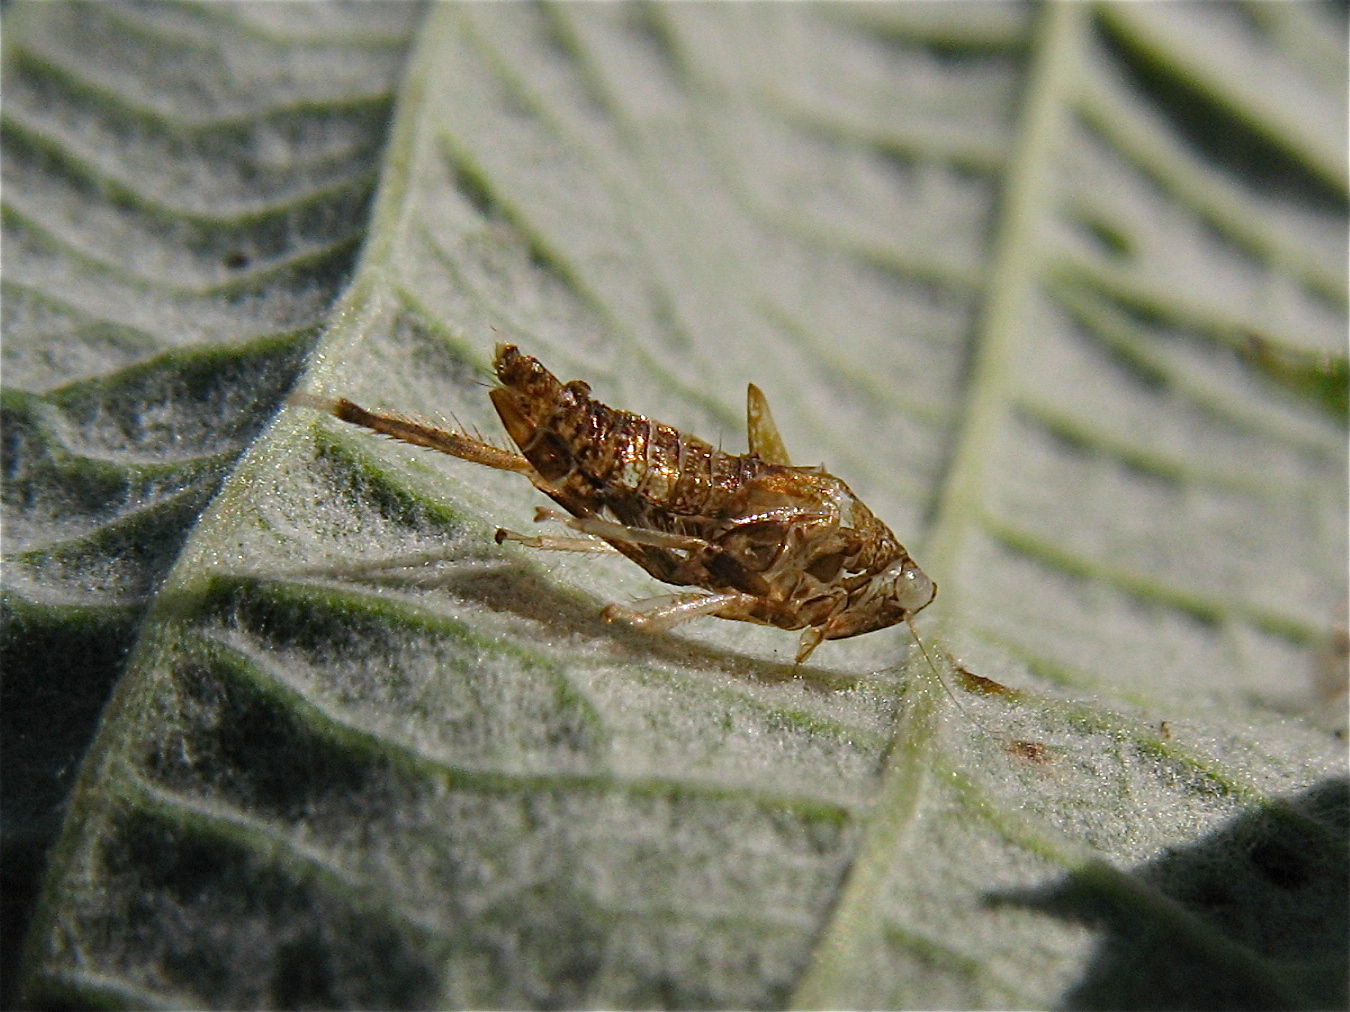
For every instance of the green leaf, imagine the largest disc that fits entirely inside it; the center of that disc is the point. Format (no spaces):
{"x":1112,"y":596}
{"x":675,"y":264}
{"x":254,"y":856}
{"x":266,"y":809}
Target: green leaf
{"x":1060,"y":292}
{"x":185,"y":190}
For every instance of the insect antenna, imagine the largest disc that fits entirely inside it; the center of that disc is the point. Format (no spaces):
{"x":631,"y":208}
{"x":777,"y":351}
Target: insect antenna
{"x":942,"y":681}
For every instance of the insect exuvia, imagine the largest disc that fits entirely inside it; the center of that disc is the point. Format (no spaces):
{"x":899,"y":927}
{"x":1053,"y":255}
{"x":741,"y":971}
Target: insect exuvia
{"x":763,"y":541}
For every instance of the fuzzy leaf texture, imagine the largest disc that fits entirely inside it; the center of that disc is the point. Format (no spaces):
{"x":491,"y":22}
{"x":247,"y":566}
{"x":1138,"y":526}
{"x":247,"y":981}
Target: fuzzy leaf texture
{"x":1059,"y":290}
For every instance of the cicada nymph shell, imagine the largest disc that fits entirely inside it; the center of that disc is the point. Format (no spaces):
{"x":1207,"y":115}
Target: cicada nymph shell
{"x":763,"y":541}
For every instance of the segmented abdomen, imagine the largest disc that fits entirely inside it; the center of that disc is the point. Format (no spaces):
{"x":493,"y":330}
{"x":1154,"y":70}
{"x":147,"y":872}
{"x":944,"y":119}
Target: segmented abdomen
{"x":601,"y":456}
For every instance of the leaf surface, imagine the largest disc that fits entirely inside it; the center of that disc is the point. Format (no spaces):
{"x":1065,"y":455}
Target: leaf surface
{"x":185,"y":190}
{"x":1012,"y":277}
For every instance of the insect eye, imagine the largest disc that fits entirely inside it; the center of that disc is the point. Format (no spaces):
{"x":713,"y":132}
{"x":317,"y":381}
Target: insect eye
{"x":912,"y":588}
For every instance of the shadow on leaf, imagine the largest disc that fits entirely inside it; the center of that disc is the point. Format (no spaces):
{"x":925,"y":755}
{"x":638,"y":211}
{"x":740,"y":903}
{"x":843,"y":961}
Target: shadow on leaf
{"x":518,"y":590}
{"x":1252,"y":917}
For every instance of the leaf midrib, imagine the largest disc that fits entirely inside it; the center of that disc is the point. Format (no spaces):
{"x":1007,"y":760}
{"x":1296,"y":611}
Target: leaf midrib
{"x":1052,"y":74}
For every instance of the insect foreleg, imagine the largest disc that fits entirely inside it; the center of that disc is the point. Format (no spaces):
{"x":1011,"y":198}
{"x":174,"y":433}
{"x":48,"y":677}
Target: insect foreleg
{"x":681,"y":609}
{"x":611,"y":531}
{"x":554,"y":544}
{"x":812,"y":637}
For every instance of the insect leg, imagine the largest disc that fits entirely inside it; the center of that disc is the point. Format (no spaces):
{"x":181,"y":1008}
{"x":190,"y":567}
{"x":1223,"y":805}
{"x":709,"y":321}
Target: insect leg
{"x":554,"y":544}
{"x":409,"y":430}
{"x":681,"y":609}
{"x":611,"y":531}
{"x":812,"y":637}
{"x":788,"y":516}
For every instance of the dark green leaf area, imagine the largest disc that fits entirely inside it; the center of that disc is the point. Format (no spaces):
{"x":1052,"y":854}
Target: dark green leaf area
{"x":121,"y":560}
{"x":519,"y":905}
{"x":344,"y":748}
{"x":1260,"y":919}
{"x":97,"y":450}
{"x":103,"y":482}
{"x":193,"y":402}
{"x":58,"y":669}
{"x":430,"y":685}
{"x":123,"y":557}
{"x":59,"y":665}
{"x":1322,"y":379}
{"x":233,"y":741}
{"x":352,"y":478}
{"x":104,"y":478}
{"x":1227,"y":140}
{"x":248,"y":934}
{"x":182,"y":202}
{"x":47,"y":487}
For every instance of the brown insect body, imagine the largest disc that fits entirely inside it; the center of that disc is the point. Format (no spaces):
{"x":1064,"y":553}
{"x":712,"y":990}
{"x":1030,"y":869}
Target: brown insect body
{"x":779,"y":545}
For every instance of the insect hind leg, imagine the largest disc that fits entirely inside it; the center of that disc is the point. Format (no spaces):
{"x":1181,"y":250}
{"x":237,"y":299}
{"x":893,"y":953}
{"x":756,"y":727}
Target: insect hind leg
{"x":610,"y":531}
{"x":419,"y":433}
{"x":672,"y":612}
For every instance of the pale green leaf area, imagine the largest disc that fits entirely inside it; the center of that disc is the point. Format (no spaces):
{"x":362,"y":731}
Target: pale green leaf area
{"x":1059,"y":290}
